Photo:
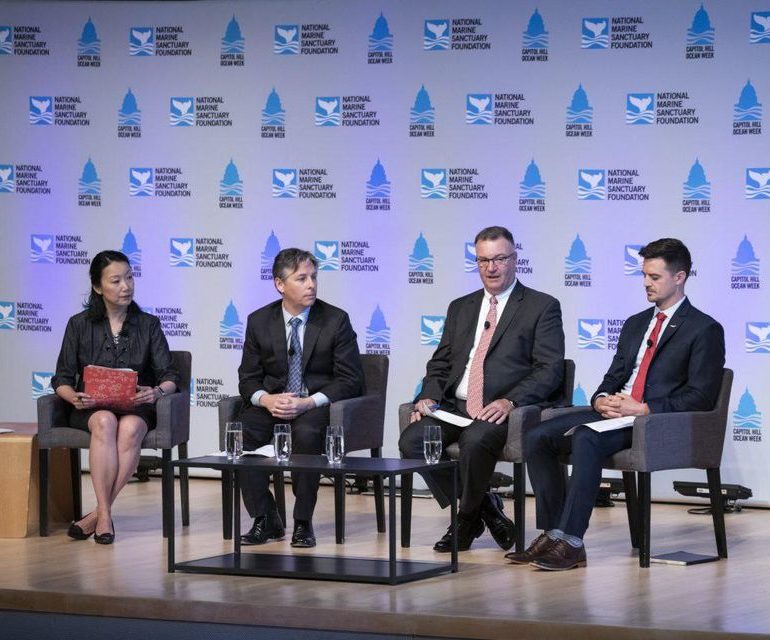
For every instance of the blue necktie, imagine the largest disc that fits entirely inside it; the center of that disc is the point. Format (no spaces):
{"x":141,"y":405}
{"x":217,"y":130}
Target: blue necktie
{"x":295,"y":358}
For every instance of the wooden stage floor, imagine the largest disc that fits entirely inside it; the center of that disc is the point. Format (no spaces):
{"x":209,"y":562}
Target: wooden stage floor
{"x":488,"y":598}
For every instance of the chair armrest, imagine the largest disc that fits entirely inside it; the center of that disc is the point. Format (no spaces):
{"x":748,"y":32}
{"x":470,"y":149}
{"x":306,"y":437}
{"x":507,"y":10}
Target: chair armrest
{"x":51,"y":412}
{"x":172,"y":421}
{"x":520,"y":420}
{"x":227,"y":409}
{"x":554,"y":412}
{"x":404,"y":413}
{"x":362,"y":419}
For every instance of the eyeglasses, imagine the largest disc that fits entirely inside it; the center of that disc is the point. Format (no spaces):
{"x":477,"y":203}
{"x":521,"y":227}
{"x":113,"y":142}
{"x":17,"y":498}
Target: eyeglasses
{"x":501,"y":261}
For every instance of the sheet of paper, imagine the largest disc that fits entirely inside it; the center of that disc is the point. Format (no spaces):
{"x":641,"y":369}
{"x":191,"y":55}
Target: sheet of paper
{"x":450,"y":418}
{"x":266,"y":451}
{"x":600,"y":426}
{"x":6,"y":430}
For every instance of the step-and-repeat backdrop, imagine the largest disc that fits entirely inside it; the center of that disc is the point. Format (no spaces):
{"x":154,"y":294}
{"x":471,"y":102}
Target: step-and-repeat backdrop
{"x":201,"y":137}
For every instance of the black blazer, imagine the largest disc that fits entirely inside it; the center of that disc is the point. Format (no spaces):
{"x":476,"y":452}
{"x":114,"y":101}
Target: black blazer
{"x":525,"y":359}
{"x":686,"y":371}
{"x":143,"y":348}
{"x":330,"y":360}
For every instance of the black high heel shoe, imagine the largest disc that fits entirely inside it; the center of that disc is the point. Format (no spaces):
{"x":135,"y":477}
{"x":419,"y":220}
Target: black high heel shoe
{"x":76,"y":532}
{"x":105,"y":538}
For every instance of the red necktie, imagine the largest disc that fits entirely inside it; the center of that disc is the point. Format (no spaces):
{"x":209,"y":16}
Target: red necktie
{"x":475,"y":402}
{"x":637,"y":391}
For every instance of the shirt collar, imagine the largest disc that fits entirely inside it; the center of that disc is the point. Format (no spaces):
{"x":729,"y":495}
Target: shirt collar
{"x":287,"y":316}
{"x":672,"y":309}
{"x":501,"y":296}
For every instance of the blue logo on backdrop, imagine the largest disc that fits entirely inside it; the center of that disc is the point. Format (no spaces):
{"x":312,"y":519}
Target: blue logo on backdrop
{"x":181,"y":252}
{"x":8,"y":315}
{"x":89,"y":183}
{"x":469,"y":263}
{"x":478,"y":108}
{"x":231,"y":325}
{"x":640,"y":108}
{"x":700,"y":32}
{"x":532,"y":186}
{"x":231,"y":184}
{"x":327,"y":111}
{"x":6,"y":40}
{"x":746,"y":416}
{"x":381,"y":39}
{"x":435,"y":35}
{"x":285,"y":183}
{"x":592,"y":184}
{"x":760,"y":27}
{"x":327,"y":252}
{"x":89,"y":43}
{"x":748,"y":107}
{"x":41,"y":384}
{"x":535,"y":37}
{"x":141,"y":41}
{"x":696,"y":187}
{"x":757,"y":337}
{"x":632,"y":261}
{"x":129,"y":113}
{"x":422,"y":112}
{"x":141,"y":181}
{"x":431,"y":329}
{"x":579,"y":398}
{"x":378,"y":185}
{"x":745,"y":262}
{"x":272,"y":247}
{"x":41,"y":249}
{"x":233,"y":41}
{"x":578,"y":260}
{"x":133,"y":253}
{"x":579,"y":111}
{"x":421,"y":258}
{"x":273,"y":113}
{"x":378,"y":332}
{"x":41,"y":110}
{"x":181,"y":112}
{"x":757,"y":187}
{"x":286,"y":39}
{"x":595,"y":33}
{"x":592,"y":334}
{"x":7,"y":178}
{"x":433,"y":184}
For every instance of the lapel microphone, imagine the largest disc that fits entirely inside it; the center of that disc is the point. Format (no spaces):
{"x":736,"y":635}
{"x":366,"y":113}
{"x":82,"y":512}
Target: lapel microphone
{"x":649,"y":343}
{"x":291,"y":352}
{"x":486,"y":324}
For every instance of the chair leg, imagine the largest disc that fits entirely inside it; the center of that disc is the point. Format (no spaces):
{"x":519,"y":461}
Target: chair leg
{"x":167,"y":488}
{"x":519,"y":511}
{"x":632,"y":506}
{"x":280,"y":495}
{"x":43,"y":490}
{"x":644,"y":519}
{"x":77,"y":492}
{"x":379,"y":495}
{"x":407,"y":481}
{"x":184,"y":486}
{"x":227,"y":505}
{"x":717,"y":510}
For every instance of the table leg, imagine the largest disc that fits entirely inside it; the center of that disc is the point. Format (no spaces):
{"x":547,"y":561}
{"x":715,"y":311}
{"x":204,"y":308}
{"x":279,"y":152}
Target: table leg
{"x":453,"y":508}
{"x":392,"y":528}
{"x":339,"y":508}
{"x":168,"y":513}
{"x":237,"y":512}
{"x":406,"y":509}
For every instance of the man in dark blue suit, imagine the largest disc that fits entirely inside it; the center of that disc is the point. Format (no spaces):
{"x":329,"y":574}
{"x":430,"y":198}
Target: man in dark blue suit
{"x":669,"y":358}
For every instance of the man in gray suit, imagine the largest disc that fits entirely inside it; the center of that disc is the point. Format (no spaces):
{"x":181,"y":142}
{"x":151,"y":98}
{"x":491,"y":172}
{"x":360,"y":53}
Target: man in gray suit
{"x":502,"y":347}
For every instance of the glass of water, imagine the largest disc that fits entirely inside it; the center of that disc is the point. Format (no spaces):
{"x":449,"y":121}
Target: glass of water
{"x":233,"y":440}
{"x":282,"y":442}
{"x":335,"y":443}
{"x":431,"y":443}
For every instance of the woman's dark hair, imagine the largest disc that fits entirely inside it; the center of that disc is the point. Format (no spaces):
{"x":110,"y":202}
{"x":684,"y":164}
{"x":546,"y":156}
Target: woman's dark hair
{"x":95,"y":304}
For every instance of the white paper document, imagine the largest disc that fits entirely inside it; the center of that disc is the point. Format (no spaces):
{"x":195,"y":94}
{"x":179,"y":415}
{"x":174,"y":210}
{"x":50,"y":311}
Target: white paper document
{"x":6,"y":430}
{"x":267,"y":451}
{"x":600,"y":426}
{"x":450,"y":418}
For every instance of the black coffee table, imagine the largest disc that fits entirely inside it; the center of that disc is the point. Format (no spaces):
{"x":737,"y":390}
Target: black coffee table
{"x":390,"y":571}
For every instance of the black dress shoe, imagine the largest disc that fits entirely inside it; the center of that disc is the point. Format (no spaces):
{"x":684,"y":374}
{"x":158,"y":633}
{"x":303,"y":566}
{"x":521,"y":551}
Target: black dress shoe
{"x":536,"y":548}
{"x":303,"y":536}
{"x":105,"y":538}
{"x":560,"y":557}
{"x":265,"y":528}
{"x":467,"y":532}
{"x":500,"y":525}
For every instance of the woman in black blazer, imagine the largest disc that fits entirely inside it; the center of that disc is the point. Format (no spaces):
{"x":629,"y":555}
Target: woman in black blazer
{"x":114,"y":332}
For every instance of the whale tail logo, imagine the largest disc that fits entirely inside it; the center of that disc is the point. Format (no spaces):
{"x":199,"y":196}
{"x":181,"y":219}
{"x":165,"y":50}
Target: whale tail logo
{"x":591,"y":334}
{"x":595,"y":33}
{"x":141,"y":41}
{"x":286,"y":39}
{"x":436,"y":35}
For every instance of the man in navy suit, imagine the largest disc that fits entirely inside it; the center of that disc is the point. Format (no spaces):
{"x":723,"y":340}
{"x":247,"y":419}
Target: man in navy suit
{"x":299,"y":354}
{"x":669,"y":358}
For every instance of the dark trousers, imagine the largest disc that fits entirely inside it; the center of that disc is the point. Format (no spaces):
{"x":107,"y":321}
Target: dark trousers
{"x":307,"y":436}
{"x":480,"y":447}
{"x":569,"y":508}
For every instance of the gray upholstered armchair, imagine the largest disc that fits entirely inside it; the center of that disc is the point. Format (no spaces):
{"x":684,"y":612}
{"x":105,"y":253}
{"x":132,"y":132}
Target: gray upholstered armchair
{"x":683,"y":440}
{"x":172,"y":430}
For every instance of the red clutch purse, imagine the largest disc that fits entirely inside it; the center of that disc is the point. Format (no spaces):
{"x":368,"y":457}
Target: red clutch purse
{"x":110,"y":388}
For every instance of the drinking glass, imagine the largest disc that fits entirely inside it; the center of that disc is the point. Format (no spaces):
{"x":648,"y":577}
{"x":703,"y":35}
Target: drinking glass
{"x":335,"y":443}
{"x":282,"y":442}
{"x":431,"y":443}
{"x":233,"y":440}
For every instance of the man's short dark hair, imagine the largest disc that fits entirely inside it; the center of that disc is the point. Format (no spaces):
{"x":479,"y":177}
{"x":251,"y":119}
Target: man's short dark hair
{"x":672,"y":251}
{"x":493,"y":233}
{"x":288,"y":260}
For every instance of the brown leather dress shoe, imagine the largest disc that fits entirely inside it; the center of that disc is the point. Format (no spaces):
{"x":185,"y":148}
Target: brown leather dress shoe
{"x":536,"y":548}
{"x":560,"y":557}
